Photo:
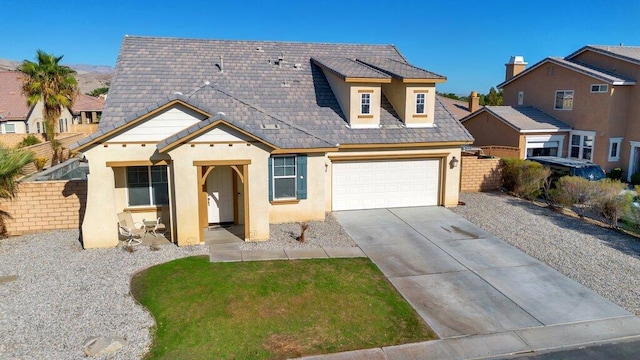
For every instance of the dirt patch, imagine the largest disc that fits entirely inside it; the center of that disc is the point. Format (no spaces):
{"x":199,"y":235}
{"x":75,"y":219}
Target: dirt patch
{"x":283,"y":346}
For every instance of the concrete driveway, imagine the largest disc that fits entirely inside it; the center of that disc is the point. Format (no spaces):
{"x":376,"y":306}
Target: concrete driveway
{"x":482,"y":296}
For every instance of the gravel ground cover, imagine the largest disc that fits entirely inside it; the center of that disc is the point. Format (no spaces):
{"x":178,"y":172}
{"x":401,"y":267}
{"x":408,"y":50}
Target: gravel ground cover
{"x":601,"y":259}
{"x":64,"y":294}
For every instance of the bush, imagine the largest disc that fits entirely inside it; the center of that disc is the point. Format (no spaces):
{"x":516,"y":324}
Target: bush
{"x":635,"y":179}
{"x":28,"y":141}
{"x":615,"y":174}
{"x":40,"y":162}
{"x":611,"y":201}
{"x":574,"y":192}
{"x":523,"y":178}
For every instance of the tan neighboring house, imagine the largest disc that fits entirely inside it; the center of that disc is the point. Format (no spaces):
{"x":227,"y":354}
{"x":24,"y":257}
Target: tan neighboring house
{"x":18,"y":118}
{"x":594,"y":92}
{"x":256,"y":132}
{"x":458,"y":108}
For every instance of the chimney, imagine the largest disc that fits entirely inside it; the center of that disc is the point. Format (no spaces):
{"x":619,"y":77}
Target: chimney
{"x":515,"y":66}
{"x":474,"y":102}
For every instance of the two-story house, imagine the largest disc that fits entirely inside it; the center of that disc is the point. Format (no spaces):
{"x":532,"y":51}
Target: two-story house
{"x":584,"y":106}
{"x":204,"y":132}
{"x":18,"y":118}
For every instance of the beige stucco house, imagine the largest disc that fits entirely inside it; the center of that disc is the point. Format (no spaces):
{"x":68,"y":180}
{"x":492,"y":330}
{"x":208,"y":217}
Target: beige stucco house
{"x":18,"y":118}
{"x":205,"y":132}
{"x":592,"y":91}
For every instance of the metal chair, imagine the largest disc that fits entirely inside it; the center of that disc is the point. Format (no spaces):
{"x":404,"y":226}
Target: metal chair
{"x":130,"y":231}
{"x":159,"y":228}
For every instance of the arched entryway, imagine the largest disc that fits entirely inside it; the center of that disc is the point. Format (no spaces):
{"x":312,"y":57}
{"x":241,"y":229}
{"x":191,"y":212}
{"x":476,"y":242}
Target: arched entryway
{"x":223,"y":193}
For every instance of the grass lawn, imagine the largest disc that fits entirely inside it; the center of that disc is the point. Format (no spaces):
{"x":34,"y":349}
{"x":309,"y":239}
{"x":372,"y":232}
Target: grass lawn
{"x":272,"y":309}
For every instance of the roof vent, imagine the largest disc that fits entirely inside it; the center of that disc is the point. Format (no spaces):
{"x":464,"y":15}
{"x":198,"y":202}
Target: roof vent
{"x":285,"y":84}
{"x":221,"y":113}
{"x":269,"y":126}
{"x":221,"y":64}
{"x":280,"y":59}
{"x":206,"y":83}
{"x":259,"y":49}
{"x":297,"y":66}
{"x":177,"y":93}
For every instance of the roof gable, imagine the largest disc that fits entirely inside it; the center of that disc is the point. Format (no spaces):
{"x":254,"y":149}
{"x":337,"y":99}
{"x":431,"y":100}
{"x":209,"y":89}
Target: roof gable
{"x":593,"y":72}
{"x":627,"y":53}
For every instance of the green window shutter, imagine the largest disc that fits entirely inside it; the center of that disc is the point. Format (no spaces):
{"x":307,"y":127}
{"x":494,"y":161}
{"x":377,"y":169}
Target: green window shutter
{"x":301,"y":172}
{"x":270,"y":178}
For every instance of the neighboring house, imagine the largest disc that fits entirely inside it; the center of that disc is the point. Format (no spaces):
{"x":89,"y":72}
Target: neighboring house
{"x":593,"y":92}
{"x":207,"y":132}
{"x":18,"y":118}
{"x":87,"y":109}
{"x":458,"y":108}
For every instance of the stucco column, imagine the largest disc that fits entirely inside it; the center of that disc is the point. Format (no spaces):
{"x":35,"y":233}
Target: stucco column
{"x":99,"y":228}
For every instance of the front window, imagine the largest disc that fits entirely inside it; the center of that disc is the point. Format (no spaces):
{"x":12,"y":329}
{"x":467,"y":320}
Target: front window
{"x":420,"y":101}
{"x":284,"y":177}
{"x":147,"y":185}
{"x":10,"y":128}
{"x":614,"y":149}
{"x":582,"y":145}
{"x":365,"y":103}
{"x":564,"y":100}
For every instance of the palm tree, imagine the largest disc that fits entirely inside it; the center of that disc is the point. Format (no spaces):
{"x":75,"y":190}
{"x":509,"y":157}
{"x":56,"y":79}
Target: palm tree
{"x":11,"y":163}
{"x":54,"y":85}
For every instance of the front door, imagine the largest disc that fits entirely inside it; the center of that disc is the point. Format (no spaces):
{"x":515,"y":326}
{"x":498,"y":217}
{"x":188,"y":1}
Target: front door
{"x":220,"y":195}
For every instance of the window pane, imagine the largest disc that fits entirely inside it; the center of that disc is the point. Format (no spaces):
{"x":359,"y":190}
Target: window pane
{"x":138,"y":185}
{"x":278,"y":171}
{"x":11,"y":128}
{"x":575,"y":139}
{"x":365,"y":103}
{"x":614,"y":150}
{"x":575,"y":152}
{"x":284,"y":188}
{"x":586,"y":154}
{"x":160,"y":193}
{"x":588,"y":141}
{"x":278,"y":161}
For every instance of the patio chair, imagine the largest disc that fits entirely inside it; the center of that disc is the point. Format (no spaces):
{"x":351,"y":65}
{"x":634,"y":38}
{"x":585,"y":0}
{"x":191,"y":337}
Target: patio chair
{"x":159,"y":228}
{"x":130,"y":231}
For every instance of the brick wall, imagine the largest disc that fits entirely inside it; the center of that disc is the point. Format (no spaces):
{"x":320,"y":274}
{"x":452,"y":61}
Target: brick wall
{"x":44,"y":150}
{"x":11,"y":140}
{"x":479,"y":174}
{"x":46,"y":205}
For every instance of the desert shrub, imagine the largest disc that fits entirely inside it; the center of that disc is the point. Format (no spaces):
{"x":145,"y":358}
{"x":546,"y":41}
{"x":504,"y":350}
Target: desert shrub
{"x":40,"y":162}
{"x":523,"y":178}
{"x":615,"y":174}
{"x":635,"y":179}
{"x":611,"y":201}
{"x":574,"y":191}
{"x":28,"y":141}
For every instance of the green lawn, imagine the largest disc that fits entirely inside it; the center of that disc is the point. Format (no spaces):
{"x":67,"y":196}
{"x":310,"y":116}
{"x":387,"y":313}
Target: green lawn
{"x":272,"y":309}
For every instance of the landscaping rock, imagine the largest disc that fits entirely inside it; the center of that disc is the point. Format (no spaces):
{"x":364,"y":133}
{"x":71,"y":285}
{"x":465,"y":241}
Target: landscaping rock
{"x":102,"y":345}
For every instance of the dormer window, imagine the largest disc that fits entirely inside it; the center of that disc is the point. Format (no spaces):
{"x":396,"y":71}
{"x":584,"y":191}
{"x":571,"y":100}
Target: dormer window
{"x":365,"y":103}
{"x":420,"y":101}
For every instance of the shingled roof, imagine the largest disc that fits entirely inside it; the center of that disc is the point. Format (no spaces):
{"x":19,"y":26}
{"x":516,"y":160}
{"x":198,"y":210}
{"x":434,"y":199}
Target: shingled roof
{"x":13,"y":105}
{"x":524,"y":118}
{"x":260,"y":81}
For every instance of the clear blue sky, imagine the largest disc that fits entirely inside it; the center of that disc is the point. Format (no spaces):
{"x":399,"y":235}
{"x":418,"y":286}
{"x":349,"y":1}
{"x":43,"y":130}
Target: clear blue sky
{"x":466,"y":41}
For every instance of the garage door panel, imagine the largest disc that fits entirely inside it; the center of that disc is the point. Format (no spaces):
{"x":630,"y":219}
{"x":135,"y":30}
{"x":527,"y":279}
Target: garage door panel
{"x":380,"y":184}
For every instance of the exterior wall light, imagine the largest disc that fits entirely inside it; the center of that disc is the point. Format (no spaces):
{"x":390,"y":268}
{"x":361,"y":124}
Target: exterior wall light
{"x":453,"y":163}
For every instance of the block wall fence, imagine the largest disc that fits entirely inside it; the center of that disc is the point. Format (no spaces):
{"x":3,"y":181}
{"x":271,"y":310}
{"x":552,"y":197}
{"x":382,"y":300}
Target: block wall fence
{"x":479,"y":174}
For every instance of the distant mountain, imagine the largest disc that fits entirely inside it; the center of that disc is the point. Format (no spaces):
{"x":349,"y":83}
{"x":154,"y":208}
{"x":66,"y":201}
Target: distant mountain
{"x":89,"y":77}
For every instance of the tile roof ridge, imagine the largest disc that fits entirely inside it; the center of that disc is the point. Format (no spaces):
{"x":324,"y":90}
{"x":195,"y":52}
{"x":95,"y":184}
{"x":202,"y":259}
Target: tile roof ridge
{"x":355,"y":61}
{"x":415,"y":67}
{"x":259,"y":41}
{"x":261,"y":111}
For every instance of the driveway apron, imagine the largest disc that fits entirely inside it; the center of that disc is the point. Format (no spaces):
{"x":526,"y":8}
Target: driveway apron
{"x":464,"y":281}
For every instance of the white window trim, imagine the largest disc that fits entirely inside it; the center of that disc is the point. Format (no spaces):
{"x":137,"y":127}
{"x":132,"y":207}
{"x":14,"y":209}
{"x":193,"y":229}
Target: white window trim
{"x":614,"y":140}
{"x":150,"y":188}
{"x":424,"y":103}
{"x":606,"y":88}
{"x":294,"y":177}
{"x":555,"y":97}
{"x":547,"y":138}
{"x":362,"y":97}
{"x":581,"y":133}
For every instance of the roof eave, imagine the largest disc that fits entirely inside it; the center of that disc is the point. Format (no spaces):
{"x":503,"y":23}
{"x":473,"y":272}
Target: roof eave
{"x":423,"y":81}
{"x":552,"y":130}
{"x":367,"y":80}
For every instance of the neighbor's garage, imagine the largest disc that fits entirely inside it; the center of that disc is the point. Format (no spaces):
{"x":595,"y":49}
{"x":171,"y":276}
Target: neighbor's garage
{"x":384,"y":183}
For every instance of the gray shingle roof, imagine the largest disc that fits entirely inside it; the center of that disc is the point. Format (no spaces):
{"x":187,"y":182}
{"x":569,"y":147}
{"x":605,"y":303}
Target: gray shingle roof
{"x":256,"y":81}
{"x":348,"y":68}
{"x":608,"y":77}
{"x":398,"y":69}
{"x":628,"y":53}
{"x":524,"y":118}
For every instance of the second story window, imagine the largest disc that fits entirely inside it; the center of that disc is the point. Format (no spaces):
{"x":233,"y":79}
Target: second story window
{"x":599,"y":88}
{"x":420,"y":101}
{"x":564,"y":100}
{"x":365,"y":103}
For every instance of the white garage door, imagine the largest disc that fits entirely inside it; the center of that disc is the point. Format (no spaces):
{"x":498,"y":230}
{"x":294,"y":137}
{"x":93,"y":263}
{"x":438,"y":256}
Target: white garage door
{"x":381,"y":184}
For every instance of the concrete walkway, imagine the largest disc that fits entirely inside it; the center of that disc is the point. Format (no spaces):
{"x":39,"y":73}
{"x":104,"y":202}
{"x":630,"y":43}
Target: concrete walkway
{"x":483,"y":297}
